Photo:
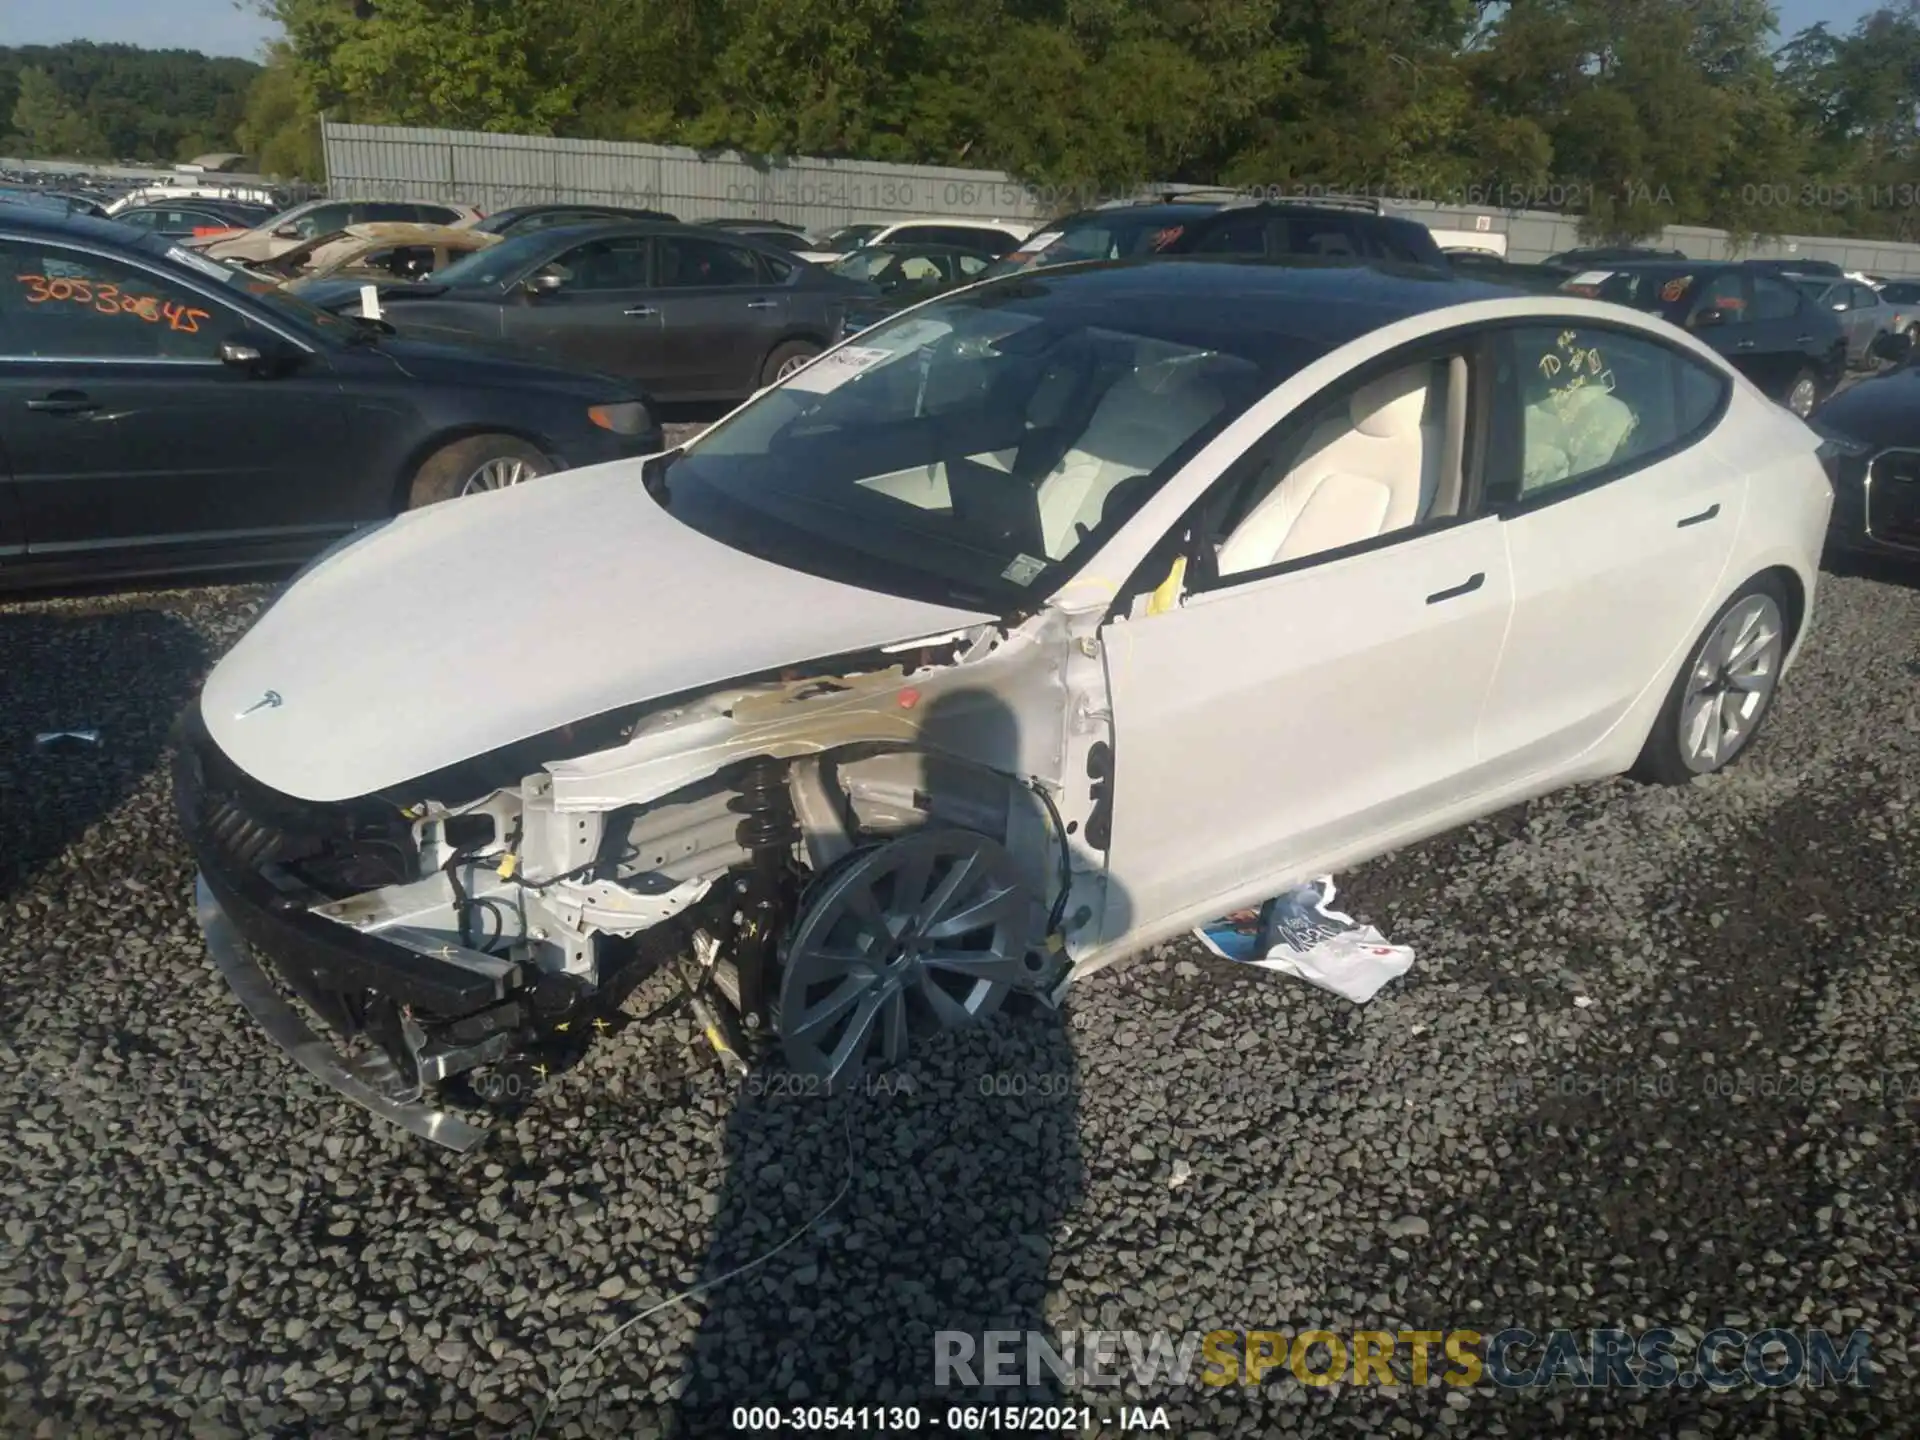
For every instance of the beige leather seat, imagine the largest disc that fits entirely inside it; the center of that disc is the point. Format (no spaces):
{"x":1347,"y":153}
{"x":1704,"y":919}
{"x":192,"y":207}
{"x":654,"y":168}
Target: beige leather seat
{"x":1141,"y":420}
{"x":1374,"y":470}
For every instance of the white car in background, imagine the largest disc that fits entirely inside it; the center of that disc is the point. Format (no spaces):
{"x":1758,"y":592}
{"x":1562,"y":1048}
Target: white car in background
{"x":1029,"y":628}
{"x":989,"y":237}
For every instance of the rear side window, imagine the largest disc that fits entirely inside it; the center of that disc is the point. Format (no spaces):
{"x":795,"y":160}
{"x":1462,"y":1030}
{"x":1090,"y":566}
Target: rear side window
{"x":966,"y":237}
{"x":1236,"y":235}
{"x":1774,"y":299}
{"x":383,"y":211}
{"x":430,"y":214}
{"x":1328,"y":237}
{"x":1586,"y":404}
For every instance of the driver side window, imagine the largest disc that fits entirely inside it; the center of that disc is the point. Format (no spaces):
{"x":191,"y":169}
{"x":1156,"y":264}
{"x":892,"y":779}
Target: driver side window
{"x":1373,"y":456}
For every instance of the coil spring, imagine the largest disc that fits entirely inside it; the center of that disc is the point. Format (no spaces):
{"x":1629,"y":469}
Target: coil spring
{"x":765,"y":806}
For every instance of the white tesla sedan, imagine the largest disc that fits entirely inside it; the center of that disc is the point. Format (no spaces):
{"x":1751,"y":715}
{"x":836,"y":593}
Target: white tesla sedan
{"x":1036,"y":625}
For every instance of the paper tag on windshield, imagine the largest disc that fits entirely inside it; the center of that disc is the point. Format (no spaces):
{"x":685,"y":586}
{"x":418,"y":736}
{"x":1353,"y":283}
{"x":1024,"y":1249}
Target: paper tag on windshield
{"x":1034,"y":244}
{"x":1590,"y":277}
{"x":1023,"y":569}
{"x":212,"y":269}
{"x":830,"y":372}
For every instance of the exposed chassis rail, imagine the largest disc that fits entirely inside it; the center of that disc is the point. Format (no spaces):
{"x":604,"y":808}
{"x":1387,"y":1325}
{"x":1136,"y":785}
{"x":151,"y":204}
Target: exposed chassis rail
{"x":365,"y":1080}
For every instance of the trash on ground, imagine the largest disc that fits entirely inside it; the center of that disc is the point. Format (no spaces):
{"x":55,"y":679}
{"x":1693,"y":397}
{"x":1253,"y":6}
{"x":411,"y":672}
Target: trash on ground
{"x":65,"y":740}
{"x":1299,"y":934}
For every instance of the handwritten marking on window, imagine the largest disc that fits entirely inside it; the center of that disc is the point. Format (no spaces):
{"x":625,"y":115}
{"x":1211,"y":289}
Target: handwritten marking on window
{"x":105,"y":299}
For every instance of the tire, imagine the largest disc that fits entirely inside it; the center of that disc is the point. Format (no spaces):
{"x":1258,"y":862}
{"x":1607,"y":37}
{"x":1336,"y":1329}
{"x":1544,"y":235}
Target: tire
{"x":479,"y":462}
{"x":787,"y":356}
{"x":1698,"y":706}
{"x":1802,"y":393}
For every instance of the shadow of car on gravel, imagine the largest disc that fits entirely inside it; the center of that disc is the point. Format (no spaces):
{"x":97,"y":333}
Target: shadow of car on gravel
{"x":79,"y":673}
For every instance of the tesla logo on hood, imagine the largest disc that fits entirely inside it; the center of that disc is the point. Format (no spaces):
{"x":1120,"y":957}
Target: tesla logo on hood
{"x":268,"y":701}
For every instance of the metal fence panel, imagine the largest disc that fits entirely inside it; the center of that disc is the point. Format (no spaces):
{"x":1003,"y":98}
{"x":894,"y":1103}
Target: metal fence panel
{"x":381,"y":162}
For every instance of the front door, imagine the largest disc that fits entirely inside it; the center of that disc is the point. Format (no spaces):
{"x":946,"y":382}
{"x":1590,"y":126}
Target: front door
{"x":1317,"y":686}
{"x":602,"y":316}
{"x":123,"y":428}
{"x":1618,"y":524}
{"x":723,"y":313}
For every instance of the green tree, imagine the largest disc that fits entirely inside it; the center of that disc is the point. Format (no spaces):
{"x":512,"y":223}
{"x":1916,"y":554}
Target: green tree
{"x":280,"y":129}
{"x":48,"y":126}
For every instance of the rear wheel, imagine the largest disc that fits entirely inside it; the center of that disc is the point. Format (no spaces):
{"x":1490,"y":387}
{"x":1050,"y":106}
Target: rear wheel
{"x":786,"y":358}
{"x":476,"y":464}
{"x":1723,"y":692}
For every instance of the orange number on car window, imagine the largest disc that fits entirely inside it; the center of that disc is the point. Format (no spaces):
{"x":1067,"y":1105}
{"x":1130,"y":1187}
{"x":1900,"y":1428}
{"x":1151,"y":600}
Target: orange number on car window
{"x":37,"y":292}
{"x":106,"y":300}
{"x":147,"y":307}
{"x":60,"y":290}
{"x":184,"y":320}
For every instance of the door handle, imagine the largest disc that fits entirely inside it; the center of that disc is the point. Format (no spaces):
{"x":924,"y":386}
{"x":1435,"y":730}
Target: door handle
{"x":1803,"y":339}
{"x":1744,"y":345}
{"x":1700,"y":519}
{"x":65,"y":402}
{"x":640,"y":311}
{"x":763,"y":304}
{"x":1465,"y":587}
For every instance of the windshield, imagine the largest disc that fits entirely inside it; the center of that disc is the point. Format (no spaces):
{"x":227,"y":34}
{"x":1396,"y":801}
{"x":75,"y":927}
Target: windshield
{"x":497,"y":264}
{"x":263,"y":292}
{"x":1100,"y":235}
{"x":1900,"y":294}
{"x":976,"y":451}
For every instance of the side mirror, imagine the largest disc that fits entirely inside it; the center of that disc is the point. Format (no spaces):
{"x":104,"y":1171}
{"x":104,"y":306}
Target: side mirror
{"x":287,"y":232}
{"x":257,"y":355}
{"x":546,"y":282}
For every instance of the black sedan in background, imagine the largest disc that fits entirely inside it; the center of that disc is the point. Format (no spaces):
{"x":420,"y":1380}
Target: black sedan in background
{"x":690,"y":311}
{"x":1766,"y":328}
{"x":161,"y":413}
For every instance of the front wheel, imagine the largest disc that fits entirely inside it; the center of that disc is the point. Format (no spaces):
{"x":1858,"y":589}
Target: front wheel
{"x":476,"y":464}
{"x":1723,"y":692}
{"x":785,"y":359}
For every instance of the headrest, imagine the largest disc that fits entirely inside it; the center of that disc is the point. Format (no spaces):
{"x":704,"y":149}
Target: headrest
{"x":1393,"y":404}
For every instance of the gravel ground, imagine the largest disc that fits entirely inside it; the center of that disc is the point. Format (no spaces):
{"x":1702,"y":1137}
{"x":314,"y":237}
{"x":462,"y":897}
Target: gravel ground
{"x":1650,"y":1067}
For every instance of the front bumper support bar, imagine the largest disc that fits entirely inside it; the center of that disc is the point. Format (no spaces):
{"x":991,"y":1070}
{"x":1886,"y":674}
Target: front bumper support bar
{"x":366,"y":1080}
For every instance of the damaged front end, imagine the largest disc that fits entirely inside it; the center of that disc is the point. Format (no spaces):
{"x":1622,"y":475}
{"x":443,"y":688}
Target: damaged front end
{"x":836,"y":860}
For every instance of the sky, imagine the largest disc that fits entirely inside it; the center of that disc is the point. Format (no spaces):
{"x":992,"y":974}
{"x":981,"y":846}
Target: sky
{"x":222,"y":27}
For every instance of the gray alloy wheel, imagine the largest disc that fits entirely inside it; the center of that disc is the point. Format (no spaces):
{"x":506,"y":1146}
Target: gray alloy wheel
{"x":1731,"y":682}
{"x":925,"y":933}
{"x":789,"y":365}
{"x":1804,"y":392}
{"x":497,"y":474}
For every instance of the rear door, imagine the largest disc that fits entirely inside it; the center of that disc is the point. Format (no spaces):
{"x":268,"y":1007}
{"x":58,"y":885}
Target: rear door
{"x":124,"y":430}
{"x":1783,"y":330}
{"x":721,"y":310}
{"x":601,"y":318}
{"x":1619,"y":523}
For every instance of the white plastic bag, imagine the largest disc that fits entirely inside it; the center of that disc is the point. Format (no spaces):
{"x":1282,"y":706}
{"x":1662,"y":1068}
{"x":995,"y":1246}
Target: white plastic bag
{"x":1300,"y":934}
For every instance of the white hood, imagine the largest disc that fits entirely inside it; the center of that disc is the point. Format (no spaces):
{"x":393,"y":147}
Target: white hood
{"x":463,"y":627}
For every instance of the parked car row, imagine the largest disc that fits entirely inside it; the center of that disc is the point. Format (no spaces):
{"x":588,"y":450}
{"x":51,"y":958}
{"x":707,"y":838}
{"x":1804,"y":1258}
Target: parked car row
{"x":160,"y":412}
